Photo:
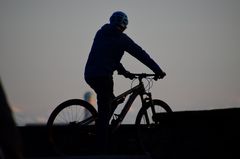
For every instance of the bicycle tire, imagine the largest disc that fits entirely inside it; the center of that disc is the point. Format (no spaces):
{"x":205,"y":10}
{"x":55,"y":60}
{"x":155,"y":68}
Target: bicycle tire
{"x":68,"y":131}
{"x":146,"y":136}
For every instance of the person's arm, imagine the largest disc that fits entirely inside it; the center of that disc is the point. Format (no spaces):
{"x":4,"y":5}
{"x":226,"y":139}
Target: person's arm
{"x":122,"y":71}
{"x":136,"y":51}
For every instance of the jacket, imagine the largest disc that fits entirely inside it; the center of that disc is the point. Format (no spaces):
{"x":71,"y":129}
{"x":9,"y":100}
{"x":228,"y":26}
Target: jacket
{"x":107,"y":50}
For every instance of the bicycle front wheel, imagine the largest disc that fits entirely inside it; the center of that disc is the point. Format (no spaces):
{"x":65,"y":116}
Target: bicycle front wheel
{"x":71,"y":127}
{"x":148,"y":127}
{"x":145,"y":115}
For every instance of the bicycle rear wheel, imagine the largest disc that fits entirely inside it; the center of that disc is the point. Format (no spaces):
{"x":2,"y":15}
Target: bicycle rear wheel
{"x":149,"y":128}
{"x":71,"y":127}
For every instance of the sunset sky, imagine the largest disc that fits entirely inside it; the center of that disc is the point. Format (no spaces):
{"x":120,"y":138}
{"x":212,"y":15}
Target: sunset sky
{"x":44,"y":46}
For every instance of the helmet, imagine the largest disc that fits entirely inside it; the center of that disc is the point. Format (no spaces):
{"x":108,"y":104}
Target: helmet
{"x":120,"y":19}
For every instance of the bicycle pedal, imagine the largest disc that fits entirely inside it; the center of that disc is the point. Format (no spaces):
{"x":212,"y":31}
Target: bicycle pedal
{"x":121,"y":100}
{"x":115,"y":116}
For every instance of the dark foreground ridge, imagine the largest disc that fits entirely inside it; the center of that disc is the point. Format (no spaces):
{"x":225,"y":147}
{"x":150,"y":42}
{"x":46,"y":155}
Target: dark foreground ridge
{"x":184,"y":134}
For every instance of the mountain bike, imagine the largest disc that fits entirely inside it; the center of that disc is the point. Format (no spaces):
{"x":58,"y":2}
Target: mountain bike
{"x":73,"y":122}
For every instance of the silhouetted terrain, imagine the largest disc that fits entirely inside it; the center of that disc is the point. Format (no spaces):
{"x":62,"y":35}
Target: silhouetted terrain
{"x":189,"y":134}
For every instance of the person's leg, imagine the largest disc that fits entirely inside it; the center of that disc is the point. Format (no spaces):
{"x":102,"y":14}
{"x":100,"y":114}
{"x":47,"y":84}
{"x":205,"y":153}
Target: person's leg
{"x":103,"y":86}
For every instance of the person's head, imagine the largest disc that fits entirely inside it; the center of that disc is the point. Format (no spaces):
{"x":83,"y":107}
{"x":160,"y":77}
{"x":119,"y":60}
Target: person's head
{"x":120,"y":20}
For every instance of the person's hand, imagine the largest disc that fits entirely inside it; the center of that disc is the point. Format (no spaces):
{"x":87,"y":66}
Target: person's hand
{"x":159,"y":75}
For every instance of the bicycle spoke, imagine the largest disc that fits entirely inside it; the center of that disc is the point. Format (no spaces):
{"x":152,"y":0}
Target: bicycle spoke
{"x":68,"y":126}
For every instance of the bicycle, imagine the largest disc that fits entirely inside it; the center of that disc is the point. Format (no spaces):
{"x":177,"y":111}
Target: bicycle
{"x":71,"y":115}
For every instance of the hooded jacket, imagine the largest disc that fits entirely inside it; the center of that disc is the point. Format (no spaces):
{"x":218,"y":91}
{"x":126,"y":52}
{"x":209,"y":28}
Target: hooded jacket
{"x":107,"y":50}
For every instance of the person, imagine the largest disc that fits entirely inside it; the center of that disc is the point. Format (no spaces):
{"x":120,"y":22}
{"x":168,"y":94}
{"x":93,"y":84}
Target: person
{"x":104,"y":58}
{"x":10,"y":139}
{"x":89,"y":97}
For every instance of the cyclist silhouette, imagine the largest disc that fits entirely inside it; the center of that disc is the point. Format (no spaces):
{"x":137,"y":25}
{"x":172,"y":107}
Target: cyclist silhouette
{"x":108,"y":47}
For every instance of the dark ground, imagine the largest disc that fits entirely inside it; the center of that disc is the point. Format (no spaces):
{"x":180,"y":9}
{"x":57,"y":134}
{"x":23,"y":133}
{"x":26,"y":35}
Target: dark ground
{"x":190,"y":134}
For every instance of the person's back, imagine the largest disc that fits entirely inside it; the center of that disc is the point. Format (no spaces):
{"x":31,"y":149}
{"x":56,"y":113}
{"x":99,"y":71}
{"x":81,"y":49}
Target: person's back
{"x":106,"y":52}
{"x":108,"y":47}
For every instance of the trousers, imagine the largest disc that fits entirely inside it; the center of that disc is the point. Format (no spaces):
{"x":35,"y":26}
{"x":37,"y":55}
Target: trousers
{"x":103,"y":87}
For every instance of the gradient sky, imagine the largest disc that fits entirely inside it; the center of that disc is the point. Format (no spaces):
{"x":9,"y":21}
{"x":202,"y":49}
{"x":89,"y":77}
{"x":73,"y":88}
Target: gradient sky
{"x":44,"y":46}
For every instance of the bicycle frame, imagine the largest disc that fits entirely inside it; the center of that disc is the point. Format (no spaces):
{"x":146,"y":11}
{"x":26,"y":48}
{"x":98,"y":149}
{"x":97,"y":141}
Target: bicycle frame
{"x":135,"y":91}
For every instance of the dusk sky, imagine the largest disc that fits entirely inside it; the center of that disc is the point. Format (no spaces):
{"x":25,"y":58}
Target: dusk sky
{"x":44,"y":45}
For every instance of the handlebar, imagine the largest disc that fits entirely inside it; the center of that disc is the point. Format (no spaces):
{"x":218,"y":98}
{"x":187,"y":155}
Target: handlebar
{"x":143,"y":75}
{"x":140,"y":76}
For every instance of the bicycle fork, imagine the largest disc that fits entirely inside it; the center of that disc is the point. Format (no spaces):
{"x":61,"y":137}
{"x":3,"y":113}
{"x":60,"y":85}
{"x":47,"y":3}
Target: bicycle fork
{"x":146,"y":101}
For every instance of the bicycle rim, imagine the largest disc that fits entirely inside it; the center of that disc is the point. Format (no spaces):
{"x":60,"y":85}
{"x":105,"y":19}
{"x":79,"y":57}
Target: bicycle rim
{"x":149,"y":129}
{"x":71,"y":127}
